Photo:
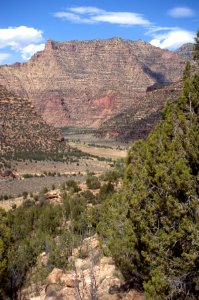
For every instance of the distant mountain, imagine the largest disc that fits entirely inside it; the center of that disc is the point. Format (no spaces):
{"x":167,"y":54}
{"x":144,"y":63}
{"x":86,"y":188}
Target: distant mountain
{"x":137,"y":121}
{"x":186,"y":51}
{"x":85,"y":83}
{"x":22,"y":130}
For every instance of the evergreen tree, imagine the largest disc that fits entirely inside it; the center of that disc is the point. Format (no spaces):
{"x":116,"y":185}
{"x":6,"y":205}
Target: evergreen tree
{"x":5,"y":243}
{"x":151,"y":227}
{"x":196,"y":48}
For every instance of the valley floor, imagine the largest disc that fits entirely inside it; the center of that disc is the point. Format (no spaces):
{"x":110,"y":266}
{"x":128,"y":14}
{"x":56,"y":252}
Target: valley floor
{"x":33,"y":177}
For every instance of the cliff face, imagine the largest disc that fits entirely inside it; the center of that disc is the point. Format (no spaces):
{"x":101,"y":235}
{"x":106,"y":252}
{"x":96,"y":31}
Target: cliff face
{"x":23,"y":130}
{"x":84,"y":83}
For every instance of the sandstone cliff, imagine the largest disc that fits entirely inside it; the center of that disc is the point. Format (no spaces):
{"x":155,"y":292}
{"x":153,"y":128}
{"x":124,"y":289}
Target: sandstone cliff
{"x":84,"y":83}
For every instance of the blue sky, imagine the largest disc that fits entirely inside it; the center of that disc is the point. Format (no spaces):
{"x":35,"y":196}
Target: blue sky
{"x":26,"y":25}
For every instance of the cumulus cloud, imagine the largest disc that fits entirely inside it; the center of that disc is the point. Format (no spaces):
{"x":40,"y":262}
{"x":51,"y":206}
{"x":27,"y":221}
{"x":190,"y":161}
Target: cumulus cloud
{"x":181,"y":12}
{"x":25,"y":40}
{"x":3,"y":57}
{"x":89,"y":14}
{"x":29,"y":50}
{"x":172,"y":39}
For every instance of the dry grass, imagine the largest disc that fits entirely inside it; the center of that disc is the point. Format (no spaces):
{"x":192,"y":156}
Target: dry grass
{"x":100,"y":151}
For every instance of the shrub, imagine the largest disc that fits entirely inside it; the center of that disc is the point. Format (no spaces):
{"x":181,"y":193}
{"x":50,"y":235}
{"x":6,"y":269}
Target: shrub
{"x":25,"y":195}
{"x":72,"y":186}
{"x":93,"y":182}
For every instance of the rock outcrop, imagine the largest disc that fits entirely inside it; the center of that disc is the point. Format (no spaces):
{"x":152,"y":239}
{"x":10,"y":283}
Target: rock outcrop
{"x":84,"y":83}
{"x":92,"y":277}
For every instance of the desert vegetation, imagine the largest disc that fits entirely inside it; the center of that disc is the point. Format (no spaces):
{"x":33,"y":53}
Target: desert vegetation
{"x":54,"y":229}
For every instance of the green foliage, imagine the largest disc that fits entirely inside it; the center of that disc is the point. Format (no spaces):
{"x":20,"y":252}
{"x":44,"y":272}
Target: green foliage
{"x":187,"y":71}
{"x":60,"y":249}
{"x":25,"y":195}
{"x":83,"y":219}
{"x":89,"y":196}
{"x":105,"y":190}
{"x":151,"y":227}
{"x":32,"y":226}
{"x":196,"y":48}
{"x":93,"y":182}
{"x":5,"y":243}
{"x":72,"y":186}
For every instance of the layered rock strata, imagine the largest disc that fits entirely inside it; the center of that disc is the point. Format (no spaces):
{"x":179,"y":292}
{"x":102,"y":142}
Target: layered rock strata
{"x":84,"y":83}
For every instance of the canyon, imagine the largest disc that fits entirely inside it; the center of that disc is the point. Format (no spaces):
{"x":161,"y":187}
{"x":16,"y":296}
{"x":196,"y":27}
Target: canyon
{"x":85,"y":83}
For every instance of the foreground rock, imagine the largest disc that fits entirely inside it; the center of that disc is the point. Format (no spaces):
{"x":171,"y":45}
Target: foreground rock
{"x":92,"y":277}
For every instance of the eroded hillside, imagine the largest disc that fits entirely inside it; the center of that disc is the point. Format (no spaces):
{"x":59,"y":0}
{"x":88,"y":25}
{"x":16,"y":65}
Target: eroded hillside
{"x":138,"y":120}
{"x":23,"y":130}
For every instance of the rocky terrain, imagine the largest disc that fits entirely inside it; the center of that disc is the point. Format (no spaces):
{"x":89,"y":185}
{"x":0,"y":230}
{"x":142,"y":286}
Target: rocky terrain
{"x":186,"y":51}
{"x":138,"y":120}
{"x":22,"y":130}
{"x":84,"y":83}
{"x":93,"y":276}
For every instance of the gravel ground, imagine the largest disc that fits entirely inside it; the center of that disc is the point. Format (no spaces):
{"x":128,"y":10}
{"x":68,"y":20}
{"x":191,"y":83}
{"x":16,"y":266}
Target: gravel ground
{"x":76,"y":171}
{"x":34,"y":184}
{"x":82,"y":166}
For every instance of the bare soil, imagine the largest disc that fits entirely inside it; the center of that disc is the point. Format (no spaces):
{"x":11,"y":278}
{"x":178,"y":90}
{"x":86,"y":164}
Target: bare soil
{"x":82,"y":166}
{"x":100,"y":151}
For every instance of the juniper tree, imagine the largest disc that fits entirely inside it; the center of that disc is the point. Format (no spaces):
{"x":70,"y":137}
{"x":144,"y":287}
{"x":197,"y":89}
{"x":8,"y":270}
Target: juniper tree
{"x":196,"y":48}
{"x":151,"y":227}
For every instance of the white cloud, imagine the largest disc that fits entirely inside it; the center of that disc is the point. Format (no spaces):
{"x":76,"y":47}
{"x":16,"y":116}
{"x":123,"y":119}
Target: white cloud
{"x":87,"y":10}
{"x":181,"y":12}
{"x":18,"y":37}
{"x":29,"y":50}
{"x":122,"y":18}
{"x":153,"y":29}
{"x":89,"y":14}
{"x":74,"y":18}
{"x":3,"y":57}
{"x":22,"y":39}
{"x":173,"y":39}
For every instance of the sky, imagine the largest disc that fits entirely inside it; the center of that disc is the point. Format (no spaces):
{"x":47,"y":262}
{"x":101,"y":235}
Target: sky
{"x":26,"y":25}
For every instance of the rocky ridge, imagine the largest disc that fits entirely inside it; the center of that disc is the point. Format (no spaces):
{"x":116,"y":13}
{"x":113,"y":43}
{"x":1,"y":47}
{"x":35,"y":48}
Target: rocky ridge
{"x":23,"y":130}
{"x":186,"y":51}
{"x":84,"y":83}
